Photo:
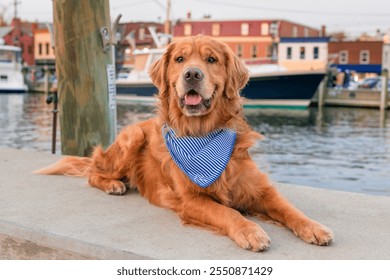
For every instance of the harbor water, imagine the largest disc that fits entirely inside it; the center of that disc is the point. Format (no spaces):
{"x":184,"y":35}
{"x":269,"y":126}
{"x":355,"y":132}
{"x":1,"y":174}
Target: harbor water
{"x":345,"y":149}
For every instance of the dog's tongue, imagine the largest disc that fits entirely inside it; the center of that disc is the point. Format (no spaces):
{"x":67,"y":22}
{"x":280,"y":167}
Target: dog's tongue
{"x":192,"y":99}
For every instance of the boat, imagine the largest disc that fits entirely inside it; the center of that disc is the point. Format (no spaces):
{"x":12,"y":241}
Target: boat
{"x":270,"y":85}
{"x":11,"y":77}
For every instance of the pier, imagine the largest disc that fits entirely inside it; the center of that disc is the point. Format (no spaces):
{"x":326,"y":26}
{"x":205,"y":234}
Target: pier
{"x":58,"y":217}
{"x":359,"y":97}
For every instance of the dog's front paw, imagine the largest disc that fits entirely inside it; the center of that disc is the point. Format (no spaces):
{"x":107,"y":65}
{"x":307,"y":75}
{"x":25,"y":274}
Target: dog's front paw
{"x":116,"y":188}
{"x":314,"y":233}
{"x":252,"y":237}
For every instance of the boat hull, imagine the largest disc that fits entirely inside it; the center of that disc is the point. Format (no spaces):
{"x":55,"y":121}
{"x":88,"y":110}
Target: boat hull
{"x":293,"y":91}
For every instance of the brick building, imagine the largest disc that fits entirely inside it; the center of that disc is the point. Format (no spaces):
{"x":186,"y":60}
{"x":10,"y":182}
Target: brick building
{"x":134,"y":35}
{"x":252,"y":40}
{"x":357,"y":56}
{"x":21,"y":35}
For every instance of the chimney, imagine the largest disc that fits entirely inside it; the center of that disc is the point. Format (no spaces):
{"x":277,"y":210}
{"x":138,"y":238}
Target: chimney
{"x":323,"y":31}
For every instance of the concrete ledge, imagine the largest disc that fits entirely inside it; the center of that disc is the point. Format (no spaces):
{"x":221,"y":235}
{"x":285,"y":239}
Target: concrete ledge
{"x":57,"y":217}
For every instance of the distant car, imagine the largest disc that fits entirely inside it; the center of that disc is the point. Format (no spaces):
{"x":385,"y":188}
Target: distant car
{"x":369,"y":82}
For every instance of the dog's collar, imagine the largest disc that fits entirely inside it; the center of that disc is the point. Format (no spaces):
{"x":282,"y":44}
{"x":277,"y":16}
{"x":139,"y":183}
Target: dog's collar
{"x":202,"y":159}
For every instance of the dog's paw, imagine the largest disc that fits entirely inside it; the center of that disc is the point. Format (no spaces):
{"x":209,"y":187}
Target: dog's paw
{"x":314,"y":233}
{"x":252,"y":237}
{"x":116,"y":188}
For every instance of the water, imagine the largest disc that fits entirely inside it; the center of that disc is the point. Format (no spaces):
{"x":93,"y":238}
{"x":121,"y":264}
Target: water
{"x":347,"y":149}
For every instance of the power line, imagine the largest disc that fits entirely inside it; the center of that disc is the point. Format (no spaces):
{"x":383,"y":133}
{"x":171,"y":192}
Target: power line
{"x":243,"y":6}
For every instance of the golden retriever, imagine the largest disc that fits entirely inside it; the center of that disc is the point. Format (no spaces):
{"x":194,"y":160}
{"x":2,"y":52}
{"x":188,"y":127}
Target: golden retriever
{"x":199,"y":81}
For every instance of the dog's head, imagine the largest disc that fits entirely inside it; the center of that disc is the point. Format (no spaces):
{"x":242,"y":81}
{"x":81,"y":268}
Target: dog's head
{"x":198,"y":78}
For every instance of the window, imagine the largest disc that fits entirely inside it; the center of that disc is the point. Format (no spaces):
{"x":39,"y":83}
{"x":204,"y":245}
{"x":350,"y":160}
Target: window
{"x":302,"y":52}
{"x":47,"y":48}
{"x":364,"y":57}
{"x":187,"y":29}
{"x":343,"y":57}
{"x":141,"y":33}
{"x":40,"y":48}
{"x":215,"y":29}
{"x":269,"y":50}
{"x":264,"y":29}
{"x":289,"y":53}
{"x":294,"y":31}
{"x":239,"y":50}
{"x":306,"y":32}
{"x":254,"y":50}
{"x":244,"y":29}
{"x":316,"y":52}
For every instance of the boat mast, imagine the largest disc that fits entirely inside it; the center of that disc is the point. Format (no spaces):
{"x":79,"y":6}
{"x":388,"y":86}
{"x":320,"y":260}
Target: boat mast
{"x":167,"y":26}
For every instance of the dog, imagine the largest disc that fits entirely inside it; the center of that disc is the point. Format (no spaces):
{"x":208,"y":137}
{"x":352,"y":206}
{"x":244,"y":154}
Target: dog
{"x":193,"y":156}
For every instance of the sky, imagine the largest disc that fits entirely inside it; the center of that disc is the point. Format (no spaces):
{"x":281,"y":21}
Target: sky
{"x":352,"y":17}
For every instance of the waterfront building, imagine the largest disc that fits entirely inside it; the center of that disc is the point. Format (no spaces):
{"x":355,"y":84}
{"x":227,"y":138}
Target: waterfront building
{"x":20,"y":34}
{"x":132,"y":36}
{"x":303,"y":53}
{"x":254,"y":41}
{"x":43,"y":49}
{"x":357,"y":56}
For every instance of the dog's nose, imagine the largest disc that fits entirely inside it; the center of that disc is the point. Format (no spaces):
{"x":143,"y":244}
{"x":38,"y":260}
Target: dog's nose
{"x":193,"y":75}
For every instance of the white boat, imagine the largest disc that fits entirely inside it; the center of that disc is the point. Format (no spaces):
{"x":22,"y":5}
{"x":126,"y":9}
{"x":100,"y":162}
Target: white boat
{"x":11,"y":77}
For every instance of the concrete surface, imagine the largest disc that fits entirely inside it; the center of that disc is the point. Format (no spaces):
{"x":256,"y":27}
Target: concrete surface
{"x":58,"y":217}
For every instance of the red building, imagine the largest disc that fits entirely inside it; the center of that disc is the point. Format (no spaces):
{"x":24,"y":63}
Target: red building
{"x":249,"y":39}
{"x":135,"y":35}
{"x":21,"y":35}
{"x":358,"y":56}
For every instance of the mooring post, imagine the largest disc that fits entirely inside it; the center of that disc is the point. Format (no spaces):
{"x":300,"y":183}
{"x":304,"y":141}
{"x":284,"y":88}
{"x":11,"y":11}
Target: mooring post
{"x":322,"y":91}
{"x":384,"y":91}
{"x":86,"y":76}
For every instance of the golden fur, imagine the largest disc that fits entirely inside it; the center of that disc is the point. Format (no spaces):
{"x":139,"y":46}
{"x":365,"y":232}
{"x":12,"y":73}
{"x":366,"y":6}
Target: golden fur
{"x":139,"y":158}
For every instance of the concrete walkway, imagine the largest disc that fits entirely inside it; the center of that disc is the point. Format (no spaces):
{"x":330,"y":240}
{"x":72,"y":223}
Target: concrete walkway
{"x":57,"y":217}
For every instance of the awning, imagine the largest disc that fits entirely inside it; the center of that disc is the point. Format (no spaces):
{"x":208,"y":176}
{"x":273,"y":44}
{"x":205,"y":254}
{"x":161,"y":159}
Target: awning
{"x":360,"y":68}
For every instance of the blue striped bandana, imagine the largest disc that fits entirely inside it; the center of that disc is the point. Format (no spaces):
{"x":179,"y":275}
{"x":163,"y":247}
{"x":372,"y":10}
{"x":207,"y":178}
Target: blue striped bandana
{"x":202,"y":159}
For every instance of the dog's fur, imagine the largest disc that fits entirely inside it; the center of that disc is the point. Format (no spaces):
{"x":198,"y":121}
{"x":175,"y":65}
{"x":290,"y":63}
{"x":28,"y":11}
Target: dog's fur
{"x":199,"y":80}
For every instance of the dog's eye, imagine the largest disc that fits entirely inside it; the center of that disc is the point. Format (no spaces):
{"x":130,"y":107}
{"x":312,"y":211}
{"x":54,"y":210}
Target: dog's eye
{"x":180,"y":59}
{"x":211,"y":60}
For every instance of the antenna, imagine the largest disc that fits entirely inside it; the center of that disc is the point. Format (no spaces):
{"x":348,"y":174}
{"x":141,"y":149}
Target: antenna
{"x":16,"y":3}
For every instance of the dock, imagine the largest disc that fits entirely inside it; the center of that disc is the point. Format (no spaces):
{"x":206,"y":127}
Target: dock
{"x":366,"y":98}
{"x":58,"y":217}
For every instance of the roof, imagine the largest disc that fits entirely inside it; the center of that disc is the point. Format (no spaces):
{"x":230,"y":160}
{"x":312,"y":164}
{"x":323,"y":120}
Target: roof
{"x":5,"y":30}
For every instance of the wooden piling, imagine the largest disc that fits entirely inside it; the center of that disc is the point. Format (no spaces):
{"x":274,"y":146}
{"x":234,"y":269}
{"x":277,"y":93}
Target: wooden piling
{"x":86,"y":86}
{"x":384,"y":91}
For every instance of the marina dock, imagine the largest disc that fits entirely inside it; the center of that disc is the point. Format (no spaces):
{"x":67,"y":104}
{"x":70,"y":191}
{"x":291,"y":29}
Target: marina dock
{"x":58,"y":217}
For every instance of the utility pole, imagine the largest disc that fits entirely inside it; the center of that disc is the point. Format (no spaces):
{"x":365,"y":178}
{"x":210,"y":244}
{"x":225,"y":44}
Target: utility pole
{"x":16,"y":3}
{"x":86,"y":75}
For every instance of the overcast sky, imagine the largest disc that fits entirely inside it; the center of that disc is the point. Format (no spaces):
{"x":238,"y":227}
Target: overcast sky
{"x":354,"y":17}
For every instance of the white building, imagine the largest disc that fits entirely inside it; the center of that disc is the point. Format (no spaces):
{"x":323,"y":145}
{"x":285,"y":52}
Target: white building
{"x":303,"y":53}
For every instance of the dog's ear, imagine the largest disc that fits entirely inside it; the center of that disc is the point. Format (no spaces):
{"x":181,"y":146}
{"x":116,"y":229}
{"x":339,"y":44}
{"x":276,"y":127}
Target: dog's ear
{"x":237,"y":74}
{"x":158,"y":71}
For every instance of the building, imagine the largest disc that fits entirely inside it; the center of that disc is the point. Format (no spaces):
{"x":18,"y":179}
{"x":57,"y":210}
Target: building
{"x":252,"y":40}
{"x":43,"y":50}
{"x":303,"y":53}
{"x":134,"y":35}
{"x":20,"y":34}
{"x":357,"y":56}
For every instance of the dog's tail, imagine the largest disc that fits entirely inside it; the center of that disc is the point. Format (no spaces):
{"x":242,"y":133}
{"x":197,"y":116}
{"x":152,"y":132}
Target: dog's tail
{"x":70,"y":165}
